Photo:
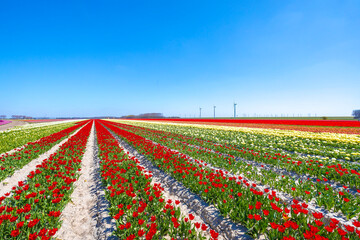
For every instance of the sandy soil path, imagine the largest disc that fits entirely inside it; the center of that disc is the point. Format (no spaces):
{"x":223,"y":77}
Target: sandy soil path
{"x":13,"y":123}
{"x":86,"y":215}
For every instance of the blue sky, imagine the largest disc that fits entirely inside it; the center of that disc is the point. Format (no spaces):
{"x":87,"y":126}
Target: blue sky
{"x":94,"y":58}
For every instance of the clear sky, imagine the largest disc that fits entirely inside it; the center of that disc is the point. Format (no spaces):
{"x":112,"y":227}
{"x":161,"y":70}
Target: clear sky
{"x":95,"y":58}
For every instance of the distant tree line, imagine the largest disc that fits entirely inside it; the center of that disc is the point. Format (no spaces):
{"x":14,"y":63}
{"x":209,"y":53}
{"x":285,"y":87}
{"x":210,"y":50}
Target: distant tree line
{"x":144,"y":115}
{"x":356,"y":114}
{"x":20,"y":117}
{"x":16,"y":117}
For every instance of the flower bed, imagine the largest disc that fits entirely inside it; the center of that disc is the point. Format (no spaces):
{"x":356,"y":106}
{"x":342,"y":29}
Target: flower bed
{"x":323,"y":194}
{"x":16,"y":160}
{"x":32,"y":209}
{"x":18,"y":137}
{"x":332,"y":123}
{"x":260,"y":211}
{"x":3,"y":122}
{"x":138,"y":206}
{"x":328,"y":145}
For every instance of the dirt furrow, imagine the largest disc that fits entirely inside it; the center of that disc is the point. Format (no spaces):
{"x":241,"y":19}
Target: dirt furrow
{"x":85,"y":216}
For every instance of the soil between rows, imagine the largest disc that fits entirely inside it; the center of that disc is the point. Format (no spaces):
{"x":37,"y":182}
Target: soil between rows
{"x":12,"y":124}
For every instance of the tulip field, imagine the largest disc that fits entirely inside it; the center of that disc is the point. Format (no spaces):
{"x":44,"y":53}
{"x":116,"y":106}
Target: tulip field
{"x":137,"y":179}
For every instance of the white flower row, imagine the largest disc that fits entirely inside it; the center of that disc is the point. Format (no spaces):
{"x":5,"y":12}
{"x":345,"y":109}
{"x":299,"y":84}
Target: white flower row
{"x":36,"y":125}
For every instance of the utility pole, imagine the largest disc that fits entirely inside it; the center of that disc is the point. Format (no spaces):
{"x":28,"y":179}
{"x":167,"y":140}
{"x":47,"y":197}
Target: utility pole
{"x":200,"y":112}
{"x":214,"y":111}
{"x":235,"y":110}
